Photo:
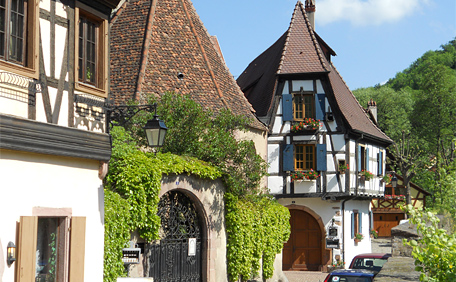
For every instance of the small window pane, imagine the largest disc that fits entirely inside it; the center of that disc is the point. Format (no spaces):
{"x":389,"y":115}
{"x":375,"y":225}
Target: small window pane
{"x":46,"y":250}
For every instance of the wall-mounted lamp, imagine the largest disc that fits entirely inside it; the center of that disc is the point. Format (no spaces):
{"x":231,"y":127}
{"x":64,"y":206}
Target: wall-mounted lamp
{"x":394,"y":180}
{"x":154,"y":129}
{"x":11,"y":253}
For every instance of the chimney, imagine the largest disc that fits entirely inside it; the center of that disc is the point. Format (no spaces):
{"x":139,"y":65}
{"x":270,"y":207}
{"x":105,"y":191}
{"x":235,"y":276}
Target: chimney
{"x":310,"y":12}
{"x":372,"y":108}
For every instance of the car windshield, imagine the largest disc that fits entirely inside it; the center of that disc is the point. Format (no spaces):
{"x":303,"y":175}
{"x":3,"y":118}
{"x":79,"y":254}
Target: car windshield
{"x":374,"y":264}
{"x":337,"y":278}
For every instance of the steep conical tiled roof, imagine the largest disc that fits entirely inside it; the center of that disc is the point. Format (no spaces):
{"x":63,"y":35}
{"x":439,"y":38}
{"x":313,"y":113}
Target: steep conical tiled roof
{"x":299,"y":51}
{"x":154,"y":41}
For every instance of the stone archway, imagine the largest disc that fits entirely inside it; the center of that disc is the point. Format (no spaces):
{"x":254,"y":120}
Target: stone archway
{"x":305,"y":250}
{"x":207,"y":197}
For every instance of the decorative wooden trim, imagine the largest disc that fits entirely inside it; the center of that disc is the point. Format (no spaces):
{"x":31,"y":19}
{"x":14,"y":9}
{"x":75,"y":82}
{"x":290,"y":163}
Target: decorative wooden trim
{"x":44,"y":138}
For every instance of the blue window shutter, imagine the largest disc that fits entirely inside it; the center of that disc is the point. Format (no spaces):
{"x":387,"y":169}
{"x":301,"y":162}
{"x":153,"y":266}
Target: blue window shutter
{"x":321,"y":157}
{"x":380,"y":163}
{"x":353,"y":225}
{"x":367,"y":158}
{"x":359,"y":158}
{"x":360,"y":223}
{"x":320,"y":106}
{"x":287,"y":107}
{"x":288,"y":158}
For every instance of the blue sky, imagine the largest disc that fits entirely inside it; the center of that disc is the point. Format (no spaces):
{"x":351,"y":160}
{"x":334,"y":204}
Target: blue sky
{"x":373,"y":39}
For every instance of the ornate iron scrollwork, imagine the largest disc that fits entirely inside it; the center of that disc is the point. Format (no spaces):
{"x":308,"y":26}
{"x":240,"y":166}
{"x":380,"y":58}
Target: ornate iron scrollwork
{"x":179,"y":219}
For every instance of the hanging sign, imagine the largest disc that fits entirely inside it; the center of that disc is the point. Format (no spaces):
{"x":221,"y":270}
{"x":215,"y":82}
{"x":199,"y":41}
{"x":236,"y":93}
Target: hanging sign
{"x":332,"y":243}
{"x":191,"y":246}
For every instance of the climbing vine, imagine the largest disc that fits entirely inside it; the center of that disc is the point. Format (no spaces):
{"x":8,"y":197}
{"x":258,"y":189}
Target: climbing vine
{"x":257,"y":227}
{"x":131,"y":194}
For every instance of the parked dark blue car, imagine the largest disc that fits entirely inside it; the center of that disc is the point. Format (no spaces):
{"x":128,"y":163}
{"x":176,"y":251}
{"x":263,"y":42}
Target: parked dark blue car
{"x":350,"y":275}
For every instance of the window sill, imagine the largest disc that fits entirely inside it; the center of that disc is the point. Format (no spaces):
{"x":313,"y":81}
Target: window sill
{"x":91,"y":89}
{"x":18,"y":69}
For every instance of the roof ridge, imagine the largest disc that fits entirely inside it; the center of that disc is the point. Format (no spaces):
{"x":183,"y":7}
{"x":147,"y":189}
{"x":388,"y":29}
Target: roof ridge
{"x":354,"y":97}
{"x":314,"y":39}
{"x":316,"y":46}
{"x":285,"y":45}
{"x":241,"y":94}
{"x":145,"y":50}
{"x":203,"y":51}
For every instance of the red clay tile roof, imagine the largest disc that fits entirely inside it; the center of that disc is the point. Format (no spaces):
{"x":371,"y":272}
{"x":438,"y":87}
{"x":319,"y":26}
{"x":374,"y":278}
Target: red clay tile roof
{"x":301,"y":53}
{"x":352,"y":111}
{"x":153,"y":41}
{"x":298,"y":51}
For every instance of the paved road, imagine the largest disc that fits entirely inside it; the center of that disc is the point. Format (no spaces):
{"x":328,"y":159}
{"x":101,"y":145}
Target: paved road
{"x":305,"y":276}
{"x":380,"y":245}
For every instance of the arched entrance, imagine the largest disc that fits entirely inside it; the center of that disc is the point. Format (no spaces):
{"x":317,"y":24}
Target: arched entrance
{"x":303,"y":251}
{"x":177,"y":256}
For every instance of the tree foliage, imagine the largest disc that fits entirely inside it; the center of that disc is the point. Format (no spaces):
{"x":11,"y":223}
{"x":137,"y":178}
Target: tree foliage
{"x":435,"y":252}
{"x":211,"y":137}
{"x":417,"y":109}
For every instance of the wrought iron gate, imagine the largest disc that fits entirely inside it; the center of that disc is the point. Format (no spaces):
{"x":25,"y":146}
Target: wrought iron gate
{"x":172,"y":259}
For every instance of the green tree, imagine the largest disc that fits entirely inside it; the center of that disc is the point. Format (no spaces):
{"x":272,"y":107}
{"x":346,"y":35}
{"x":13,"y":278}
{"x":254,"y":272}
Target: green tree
{"x":211,"y":137}
{"x":435,"y":252}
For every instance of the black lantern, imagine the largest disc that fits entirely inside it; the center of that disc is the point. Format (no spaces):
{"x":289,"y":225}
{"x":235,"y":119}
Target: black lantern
{"x":394,"y":181}
{"x":155,"y":130}
{"x":10,"y":253}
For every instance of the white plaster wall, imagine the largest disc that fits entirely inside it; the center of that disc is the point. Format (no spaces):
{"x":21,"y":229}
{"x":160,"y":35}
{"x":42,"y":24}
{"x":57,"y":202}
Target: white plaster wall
{"x":275,"y":184}
{"x":351,"y":248}
{"x":320,"y":88}
{"x":60,"y":36}
{"x":273,"y":158}
{"x":307,"y":85}
{"x":13,"y":107}
{"x":34,"y":180}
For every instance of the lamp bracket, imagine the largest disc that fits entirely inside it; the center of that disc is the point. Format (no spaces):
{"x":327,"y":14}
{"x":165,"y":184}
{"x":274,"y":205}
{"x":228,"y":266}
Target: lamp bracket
{"x":120,"y":115}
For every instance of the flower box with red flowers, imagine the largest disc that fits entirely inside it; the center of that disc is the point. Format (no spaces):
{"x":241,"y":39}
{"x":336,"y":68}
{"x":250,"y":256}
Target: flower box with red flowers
{"x":304,"y":175}
{"x":308,"y":124}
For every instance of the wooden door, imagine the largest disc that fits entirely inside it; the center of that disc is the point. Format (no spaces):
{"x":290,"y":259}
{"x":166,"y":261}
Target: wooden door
{"x":304,"y":248}
{"x":383,"y":222}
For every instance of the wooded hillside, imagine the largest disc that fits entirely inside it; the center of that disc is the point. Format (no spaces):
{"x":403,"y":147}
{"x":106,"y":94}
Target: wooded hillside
{"x":417,"y":109}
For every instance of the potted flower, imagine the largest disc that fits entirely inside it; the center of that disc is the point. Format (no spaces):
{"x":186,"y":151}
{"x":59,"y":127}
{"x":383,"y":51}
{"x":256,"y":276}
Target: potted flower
{"x":304,"y":175}
{"x":374,"y":233}
{"x":342,"y":168}
{"x":338,"y":264}
{"x":386,"y":178}
{"x":367,"y":175}
{"x":358,"y":237}
{"x":306,"y":124}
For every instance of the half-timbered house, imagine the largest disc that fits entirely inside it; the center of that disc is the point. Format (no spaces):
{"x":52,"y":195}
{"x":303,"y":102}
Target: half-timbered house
{"x":326,"y":155}
{"x":387,"y":211}
{"x":53,"y":86}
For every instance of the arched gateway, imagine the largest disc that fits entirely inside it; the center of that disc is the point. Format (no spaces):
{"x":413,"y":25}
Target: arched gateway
{"x":177,"y":256}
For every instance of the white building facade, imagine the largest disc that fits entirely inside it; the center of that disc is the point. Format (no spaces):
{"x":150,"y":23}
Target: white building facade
{"x":53,"y":146}
{"x":327,"y":157}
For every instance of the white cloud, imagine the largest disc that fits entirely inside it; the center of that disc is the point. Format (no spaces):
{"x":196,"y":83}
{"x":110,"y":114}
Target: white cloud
{"x":366,"y":12}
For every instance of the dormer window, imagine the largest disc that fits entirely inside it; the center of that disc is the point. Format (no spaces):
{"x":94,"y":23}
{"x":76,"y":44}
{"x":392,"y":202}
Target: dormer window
{"x":302,"y":103}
